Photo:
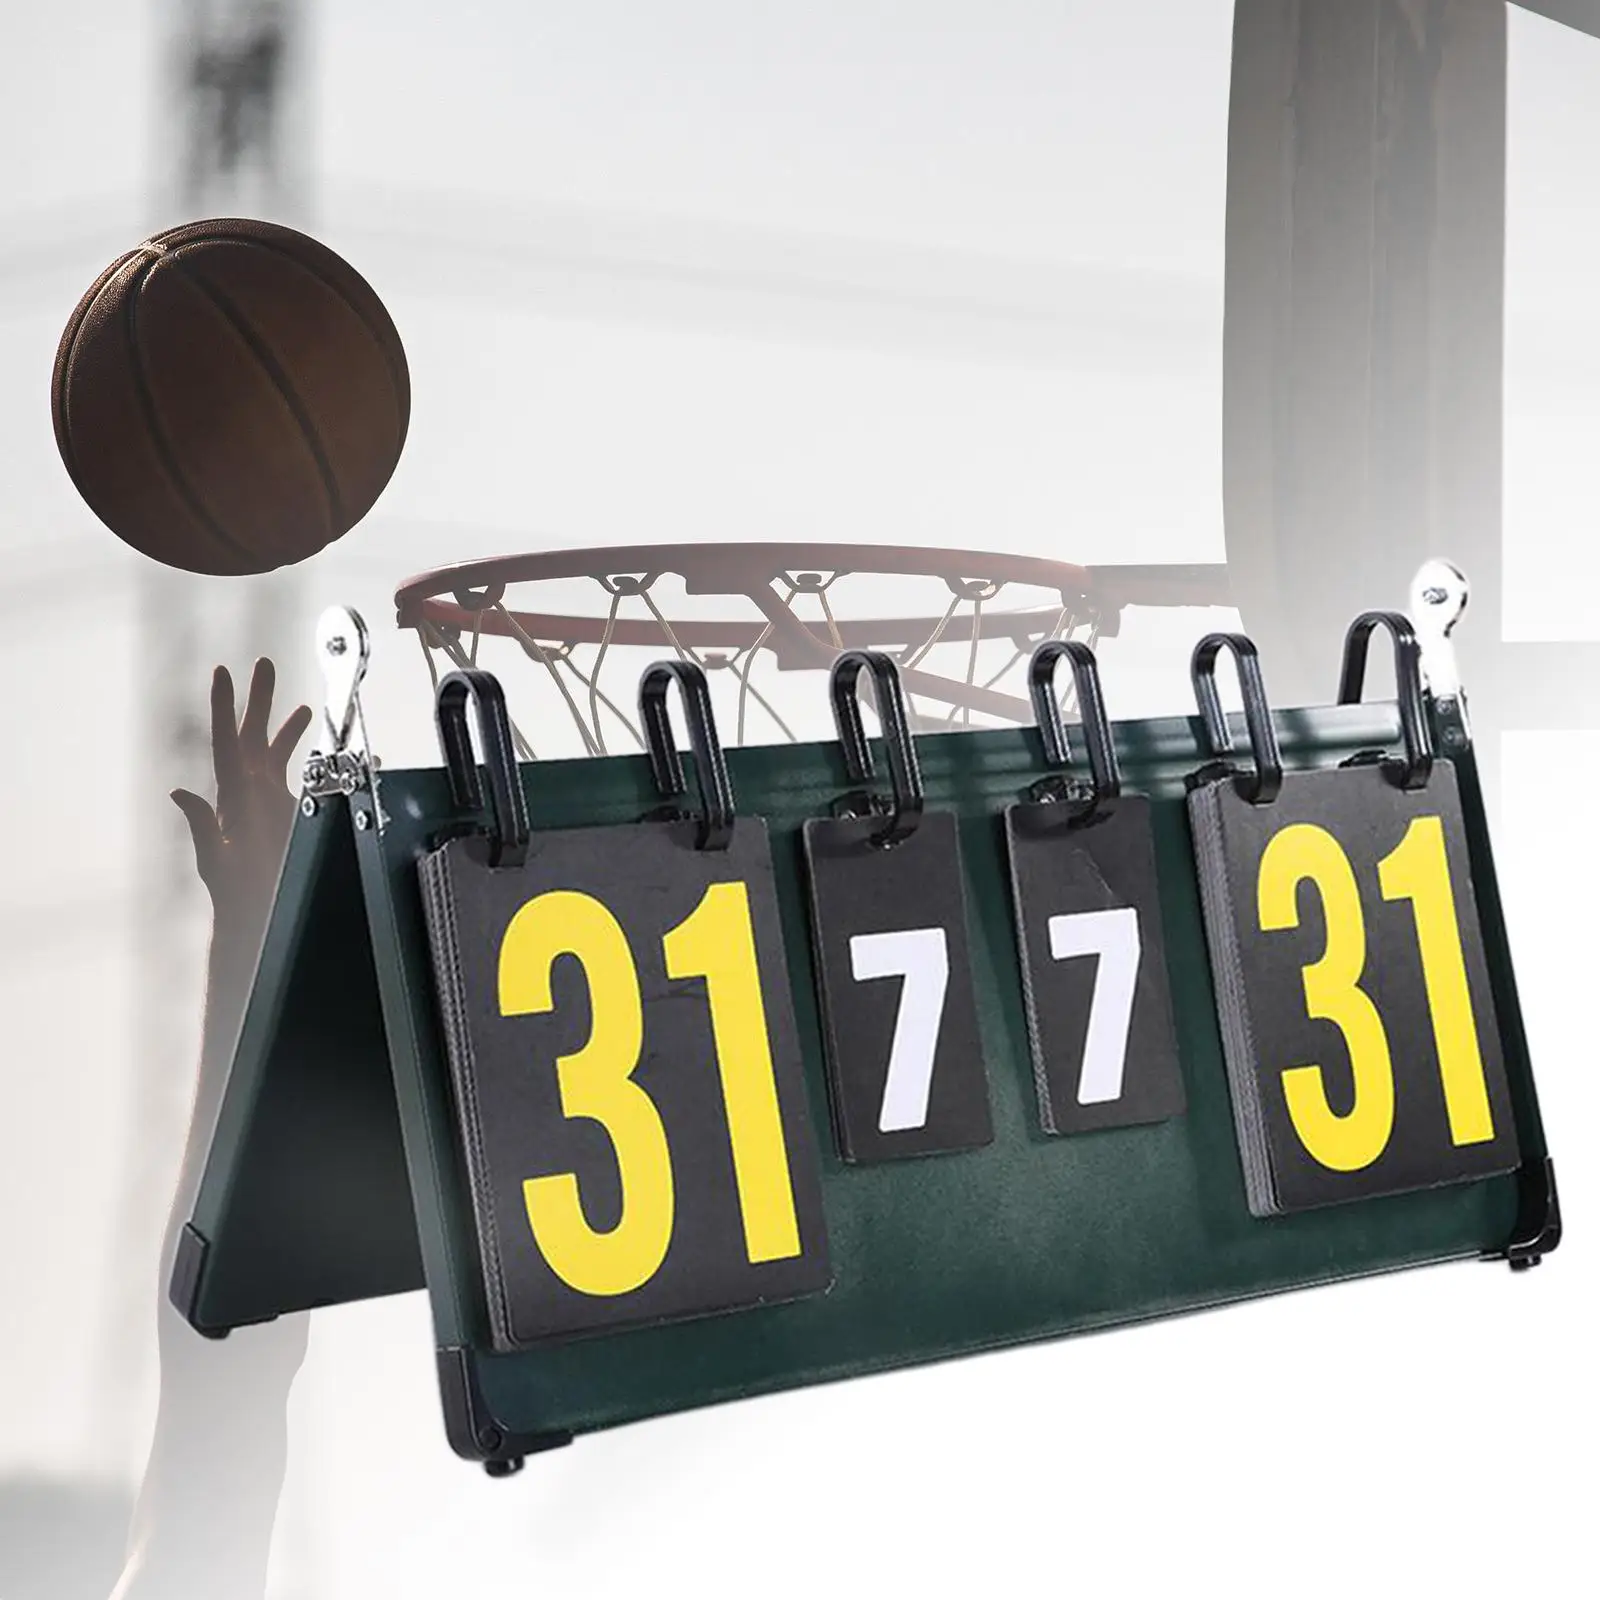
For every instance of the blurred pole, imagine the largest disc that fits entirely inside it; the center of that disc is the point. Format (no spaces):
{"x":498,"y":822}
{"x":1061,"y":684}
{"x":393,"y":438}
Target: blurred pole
{"x":232,"y":139}
{"x":1364,"y":316}
{"x":1364,"y":330}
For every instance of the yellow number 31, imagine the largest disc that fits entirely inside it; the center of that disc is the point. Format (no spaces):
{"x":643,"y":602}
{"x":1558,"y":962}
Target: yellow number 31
{"x":1416,"y":870}
{"x":715,"y":943}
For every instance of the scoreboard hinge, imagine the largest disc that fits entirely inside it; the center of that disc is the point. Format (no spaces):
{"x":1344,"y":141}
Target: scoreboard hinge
{"x":347,"y":767}
{"x":324,"y":776}
{"x":1439,"y":595}
{"x":473,"y":1430}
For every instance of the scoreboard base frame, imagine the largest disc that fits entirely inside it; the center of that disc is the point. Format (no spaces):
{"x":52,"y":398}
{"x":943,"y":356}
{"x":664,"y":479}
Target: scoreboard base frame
{"x":335,"y":1173}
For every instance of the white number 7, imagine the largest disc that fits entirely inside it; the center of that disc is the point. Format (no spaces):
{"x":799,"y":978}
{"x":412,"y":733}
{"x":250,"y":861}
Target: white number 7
{"x":1113,"y":936}
{"x":921,"y":956}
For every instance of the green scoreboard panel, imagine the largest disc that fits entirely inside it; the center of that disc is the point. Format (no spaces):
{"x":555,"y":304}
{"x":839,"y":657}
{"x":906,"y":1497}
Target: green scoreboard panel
{"x":671,"y":1094}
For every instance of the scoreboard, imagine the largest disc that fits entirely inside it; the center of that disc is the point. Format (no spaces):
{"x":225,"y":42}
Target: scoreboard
{"x":670,"y":1093}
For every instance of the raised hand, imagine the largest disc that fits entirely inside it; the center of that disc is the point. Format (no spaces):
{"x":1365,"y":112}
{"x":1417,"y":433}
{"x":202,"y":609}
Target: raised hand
{"x":238,"y":848}
{"x":239,"y":842}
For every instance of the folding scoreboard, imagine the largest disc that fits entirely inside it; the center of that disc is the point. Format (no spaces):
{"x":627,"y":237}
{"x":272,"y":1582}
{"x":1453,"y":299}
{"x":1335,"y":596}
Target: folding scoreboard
{"x":673,"y":1094}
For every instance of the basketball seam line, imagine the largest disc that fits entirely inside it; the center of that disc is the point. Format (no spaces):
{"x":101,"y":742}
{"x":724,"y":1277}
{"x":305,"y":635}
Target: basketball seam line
{"x":158,"y":436}
{"x":61,"y":377}
{"x":279,"y":379}
{"x":399,"y":374}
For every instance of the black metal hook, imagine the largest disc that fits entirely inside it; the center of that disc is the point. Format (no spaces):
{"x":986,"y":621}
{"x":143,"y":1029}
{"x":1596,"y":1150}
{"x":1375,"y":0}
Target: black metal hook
{"x":666,"y":765}
{"x":1414,"y":770}
{"x":1264,"y":783}
{"x":905,"y":775}
{"x":1104,"y":777}
{"x":508,"y":810}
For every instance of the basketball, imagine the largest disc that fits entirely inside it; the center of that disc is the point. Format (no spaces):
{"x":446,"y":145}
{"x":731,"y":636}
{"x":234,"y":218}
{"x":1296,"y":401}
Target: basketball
{"x":230,"y":397}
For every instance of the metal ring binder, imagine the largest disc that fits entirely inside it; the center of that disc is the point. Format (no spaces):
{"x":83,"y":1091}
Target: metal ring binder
{"x":711,"y":766}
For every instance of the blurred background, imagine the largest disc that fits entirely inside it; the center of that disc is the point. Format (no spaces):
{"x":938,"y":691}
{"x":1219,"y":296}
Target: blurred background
{"x":932,"y":274}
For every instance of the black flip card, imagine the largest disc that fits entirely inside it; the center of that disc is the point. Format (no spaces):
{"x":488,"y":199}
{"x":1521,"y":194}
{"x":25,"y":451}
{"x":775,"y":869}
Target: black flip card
{"x":1357,"y":1015}
{"x":905,"y":1060}
{"x":627,"y":1076}
{"x":1094,"y":969}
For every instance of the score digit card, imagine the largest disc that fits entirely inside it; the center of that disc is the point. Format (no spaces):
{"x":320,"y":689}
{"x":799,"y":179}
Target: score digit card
{"x":1357,"y":1017}
{"x":627,"y":1075}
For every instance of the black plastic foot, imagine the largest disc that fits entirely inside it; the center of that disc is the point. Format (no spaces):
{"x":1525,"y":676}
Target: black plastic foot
{"x":188,"y":1263}
{"x":474,"y":1432}
{"x":1538,"y":1229}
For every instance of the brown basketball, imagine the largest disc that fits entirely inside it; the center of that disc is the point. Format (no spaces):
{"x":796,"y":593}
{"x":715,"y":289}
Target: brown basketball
{"x":230,"y":397}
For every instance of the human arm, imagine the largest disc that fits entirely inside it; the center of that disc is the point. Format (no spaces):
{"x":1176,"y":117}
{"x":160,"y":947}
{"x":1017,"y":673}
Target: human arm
{"x":203,"y":1523}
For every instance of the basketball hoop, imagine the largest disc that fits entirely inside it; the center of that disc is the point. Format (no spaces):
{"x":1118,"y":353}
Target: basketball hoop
{"x":961,"y":625}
